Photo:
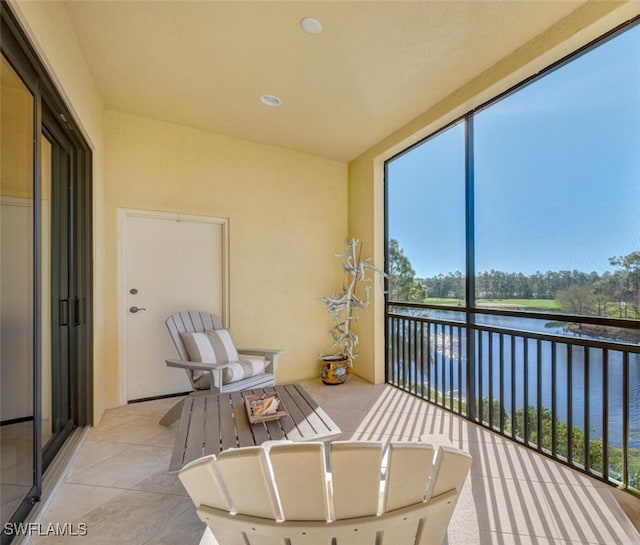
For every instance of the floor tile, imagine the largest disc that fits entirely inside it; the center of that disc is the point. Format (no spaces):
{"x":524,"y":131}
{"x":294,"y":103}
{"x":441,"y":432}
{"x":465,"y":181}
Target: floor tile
{"x":133,"y":429}
{"x":93,"y":453}
{"x":126,"y":469}
{"x":75,"y":501}
{"x":186,"y":528}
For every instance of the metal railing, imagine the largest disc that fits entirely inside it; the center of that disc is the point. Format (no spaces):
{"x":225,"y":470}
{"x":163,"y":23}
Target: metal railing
{"x":574,"y":399}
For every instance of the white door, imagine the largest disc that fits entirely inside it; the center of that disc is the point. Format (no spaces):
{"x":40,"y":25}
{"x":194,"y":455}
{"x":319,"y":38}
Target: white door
{"x":169,"y":263}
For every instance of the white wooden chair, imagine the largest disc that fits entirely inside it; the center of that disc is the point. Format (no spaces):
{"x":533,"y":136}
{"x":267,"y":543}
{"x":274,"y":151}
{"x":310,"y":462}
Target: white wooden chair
{"x":217,"y":367}
{"x":284,"y":493}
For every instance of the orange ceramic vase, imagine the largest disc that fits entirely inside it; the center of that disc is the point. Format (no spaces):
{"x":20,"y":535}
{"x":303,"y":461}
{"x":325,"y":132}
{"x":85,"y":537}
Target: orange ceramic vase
{"x":335,"y":369}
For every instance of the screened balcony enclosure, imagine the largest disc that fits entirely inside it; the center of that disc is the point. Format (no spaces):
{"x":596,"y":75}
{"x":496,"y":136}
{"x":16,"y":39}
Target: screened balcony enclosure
{"x":514,"y":298}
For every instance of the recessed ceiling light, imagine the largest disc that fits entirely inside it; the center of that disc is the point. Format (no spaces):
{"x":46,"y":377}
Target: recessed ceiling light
{"x":270,"y":100}
{"x":311,"y":25}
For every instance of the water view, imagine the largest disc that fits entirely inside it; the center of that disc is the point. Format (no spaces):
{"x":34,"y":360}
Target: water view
{"x":595,"y":369}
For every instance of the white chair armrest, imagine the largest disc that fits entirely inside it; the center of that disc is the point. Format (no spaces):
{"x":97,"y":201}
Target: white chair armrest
{"x":259,"y":351}
{"x":194,"y":365}
{"x":270,"y":355}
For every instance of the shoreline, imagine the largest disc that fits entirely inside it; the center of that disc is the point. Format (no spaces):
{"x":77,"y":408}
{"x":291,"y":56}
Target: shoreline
{"x":605,"y":332}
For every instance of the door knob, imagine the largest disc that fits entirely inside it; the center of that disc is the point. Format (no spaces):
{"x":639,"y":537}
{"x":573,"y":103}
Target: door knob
{"x":133,"y":310}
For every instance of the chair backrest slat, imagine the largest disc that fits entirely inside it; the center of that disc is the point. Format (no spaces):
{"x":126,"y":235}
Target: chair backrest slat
{"x":248,"y":480}
{"x":409,"y":467}
{"x":202,"y":480}
{"x":191,"y":321}
{"x":300,"y":474}
{"x":355,"y":470}
{"x":449,"y":472}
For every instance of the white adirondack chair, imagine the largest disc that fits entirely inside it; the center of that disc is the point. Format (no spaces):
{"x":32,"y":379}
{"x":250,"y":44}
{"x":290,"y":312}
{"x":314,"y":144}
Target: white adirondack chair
{"x":208,"y":378}
{"x":284,"y":493}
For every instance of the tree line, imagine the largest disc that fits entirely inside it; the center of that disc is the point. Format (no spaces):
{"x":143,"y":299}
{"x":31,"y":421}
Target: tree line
{"x":613,"y":293}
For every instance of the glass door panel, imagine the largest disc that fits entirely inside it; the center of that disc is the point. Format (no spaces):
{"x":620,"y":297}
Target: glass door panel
{"x":45,"y":276}
{"x":57,"y":305}
{"x":16,"y":293}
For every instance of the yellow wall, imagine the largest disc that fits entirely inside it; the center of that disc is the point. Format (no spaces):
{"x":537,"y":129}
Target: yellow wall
{"x":16,"y":120}
{"x":366,"y":177}
{"x":287,"y":214}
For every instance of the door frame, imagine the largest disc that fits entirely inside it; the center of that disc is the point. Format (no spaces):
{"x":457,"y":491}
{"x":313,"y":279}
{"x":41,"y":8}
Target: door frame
{"x":123,"y":215}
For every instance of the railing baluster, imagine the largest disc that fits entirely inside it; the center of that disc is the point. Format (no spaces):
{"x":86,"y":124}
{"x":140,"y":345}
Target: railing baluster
{"x":491,"y":337}
{"x":429,"y":363}
{"x":605,"y":414}
{"x":404,"y":354}
{"x":586,"y":419}
{"x":451,"y":360}
{"x":514,"y":402}
{"x":625,"y":420}
{"x":569,"y":403}
{"x":394,"y":351}
{"x":501,"y":404}
{"x":416,"y":352}
{"x":460,"y":383}
{"x":436,"y":365}
{"x":554,"y":399}
{"x":479,"y":359}
{"x":525,"y":384}
{"x":390,"y":358}
{"x":443,"y":362}
{"x":422,"y":357}
{"x":410,"y":364}
{"x":539,"y":392}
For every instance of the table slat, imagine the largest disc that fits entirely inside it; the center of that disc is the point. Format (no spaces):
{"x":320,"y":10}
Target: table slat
{"x":212,"y":426}
{"x":321,"y":418}
{"x":243,"y":428}
{"x":177,"y":457}
{"x":195,"y":439}
{"x":227,"y":425}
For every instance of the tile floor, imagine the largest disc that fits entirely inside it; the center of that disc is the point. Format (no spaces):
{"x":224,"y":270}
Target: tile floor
{"x":118,"y":484}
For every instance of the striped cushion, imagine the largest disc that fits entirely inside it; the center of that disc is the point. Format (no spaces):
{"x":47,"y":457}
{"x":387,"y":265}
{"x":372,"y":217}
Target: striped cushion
{"x":216,"y":346}
{"x":242,"y":369}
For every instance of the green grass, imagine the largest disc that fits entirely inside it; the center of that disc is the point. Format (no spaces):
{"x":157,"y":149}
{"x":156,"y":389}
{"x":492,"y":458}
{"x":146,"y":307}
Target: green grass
{"x":443,"y":301}
{"x":531,"y":304}
{"x":548,"y":305}
{"x":538,"y":304}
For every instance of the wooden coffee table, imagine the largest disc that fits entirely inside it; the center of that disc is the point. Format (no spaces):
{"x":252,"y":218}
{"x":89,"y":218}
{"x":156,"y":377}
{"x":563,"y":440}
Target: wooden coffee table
{"x":212,"y":423}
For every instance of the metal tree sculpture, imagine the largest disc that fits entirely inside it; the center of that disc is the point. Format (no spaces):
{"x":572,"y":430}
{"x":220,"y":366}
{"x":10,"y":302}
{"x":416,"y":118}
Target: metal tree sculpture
{"x":345,"y":305}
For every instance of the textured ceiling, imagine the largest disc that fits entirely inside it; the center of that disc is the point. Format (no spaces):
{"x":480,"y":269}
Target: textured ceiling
{"x":375,"y":66}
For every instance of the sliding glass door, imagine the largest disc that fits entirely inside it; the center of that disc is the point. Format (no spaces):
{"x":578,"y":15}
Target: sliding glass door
{"x":56,"y":206}
{"x":45,"y":277}
{"x":17,"y":401}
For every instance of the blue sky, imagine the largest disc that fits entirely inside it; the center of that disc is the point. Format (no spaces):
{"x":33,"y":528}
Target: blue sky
{"x":557,"y":174}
